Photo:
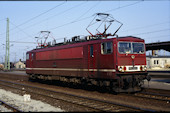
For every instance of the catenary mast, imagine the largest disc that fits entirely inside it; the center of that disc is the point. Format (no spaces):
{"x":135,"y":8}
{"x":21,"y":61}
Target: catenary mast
{"x":7,"y":61}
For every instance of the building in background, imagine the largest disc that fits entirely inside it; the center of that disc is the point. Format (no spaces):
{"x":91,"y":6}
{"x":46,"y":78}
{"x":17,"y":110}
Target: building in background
{"x":20,"y":65}
{"x":158,"y":62}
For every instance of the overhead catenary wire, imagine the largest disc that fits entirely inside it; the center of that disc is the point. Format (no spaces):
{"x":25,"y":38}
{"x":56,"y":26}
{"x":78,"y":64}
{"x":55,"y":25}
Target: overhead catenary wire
{"x":71,"y":22}
{"x":124,"y":6}
{"x":155,"y":37}
{"x":152,"y":25}
{"x":37,"y":16}
{"x":78,"y":5}
{"x":57,"y":14}
{"x":42,"y":14}
{"x":158,"y":36}
{"x":91,"y":16}
{"x":21,"y":29}
{"x":69,"y":10}
{"x":80,"y":16}
{"x":22,"y":42}
{"x":60,"y":13}
{"x":106,"y":11}
{"x":152,"y":32}
{"x":77,"y":19}
{"x":95,"y":5}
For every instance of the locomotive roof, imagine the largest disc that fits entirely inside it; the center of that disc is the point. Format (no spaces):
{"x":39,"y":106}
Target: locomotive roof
{"x":131,"y":37}
{"x":79,"y":42}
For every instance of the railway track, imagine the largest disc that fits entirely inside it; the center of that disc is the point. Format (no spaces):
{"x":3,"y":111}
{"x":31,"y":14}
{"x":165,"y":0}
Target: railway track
{"x":152,"y":95}
{"x":155,"y":96}
{"x":8,"y":106}
{"x":91,"y":103}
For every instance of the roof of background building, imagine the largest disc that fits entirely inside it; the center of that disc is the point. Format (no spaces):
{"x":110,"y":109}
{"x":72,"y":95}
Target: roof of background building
{"x":158,"y":56}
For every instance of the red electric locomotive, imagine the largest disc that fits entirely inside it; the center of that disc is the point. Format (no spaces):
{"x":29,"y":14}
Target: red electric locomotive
{"x":118,"y":63}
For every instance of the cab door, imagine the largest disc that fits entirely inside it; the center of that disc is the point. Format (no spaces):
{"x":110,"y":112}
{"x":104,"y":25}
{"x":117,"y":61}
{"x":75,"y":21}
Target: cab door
{"x":31,"y":61}
{"x":91,"y":59}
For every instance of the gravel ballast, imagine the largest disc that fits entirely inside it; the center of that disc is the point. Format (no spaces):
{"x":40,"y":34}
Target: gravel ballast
{"x":26,"y":106}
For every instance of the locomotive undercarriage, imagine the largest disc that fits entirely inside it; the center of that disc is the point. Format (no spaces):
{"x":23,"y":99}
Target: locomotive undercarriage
{"x":123,"y":83}
{"x":129,"y":83}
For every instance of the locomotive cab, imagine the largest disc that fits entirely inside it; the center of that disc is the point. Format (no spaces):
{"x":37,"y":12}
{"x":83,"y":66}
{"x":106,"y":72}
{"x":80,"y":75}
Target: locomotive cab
{"x":131,"y":68}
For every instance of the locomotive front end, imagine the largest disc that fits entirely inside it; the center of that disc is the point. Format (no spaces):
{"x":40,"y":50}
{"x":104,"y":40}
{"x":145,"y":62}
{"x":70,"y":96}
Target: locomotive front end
{"x":131,"y":68}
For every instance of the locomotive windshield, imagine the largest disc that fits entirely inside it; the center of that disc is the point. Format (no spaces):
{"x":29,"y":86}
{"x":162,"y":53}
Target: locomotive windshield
{"x":131,"y":47}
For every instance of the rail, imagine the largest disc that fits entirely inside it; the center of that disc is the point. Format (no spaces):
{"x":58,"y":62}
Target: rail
{"x":14,"y":109}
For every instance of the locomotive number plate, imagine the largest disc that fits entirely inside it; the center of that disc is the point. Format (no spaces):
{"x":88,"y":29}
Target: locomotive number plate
{"x":133,"y":68}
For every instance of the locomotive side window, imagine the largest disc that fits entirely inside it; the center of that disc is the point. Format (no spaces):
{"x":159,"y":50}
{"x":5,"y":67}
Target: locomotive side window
{"x":32,"y":55}
{"x":91,"y":51}
{"x":27,"y":56}
{"x":106,"y":48}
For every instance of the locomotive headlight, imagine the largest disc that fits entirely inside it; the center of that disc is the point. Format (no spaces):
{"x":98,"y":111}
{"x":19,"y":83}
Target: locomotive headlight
{"x":120,"y":68}
{"x":145,"y":68}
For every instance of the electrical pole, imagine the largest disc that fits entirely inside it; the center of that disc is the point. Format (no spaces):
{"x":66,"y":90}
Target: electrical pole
{"x":23,"y":56}
{"x":7,"y":62}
